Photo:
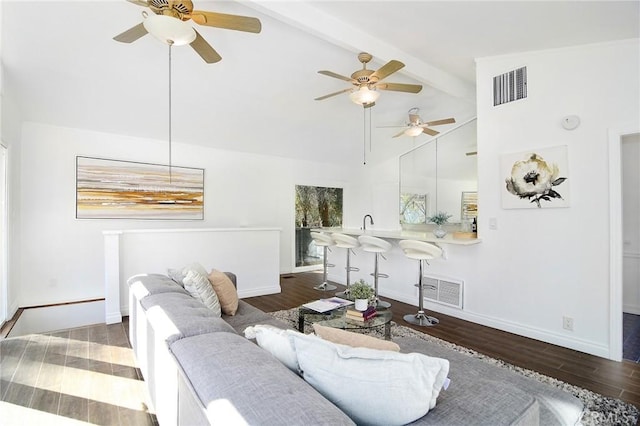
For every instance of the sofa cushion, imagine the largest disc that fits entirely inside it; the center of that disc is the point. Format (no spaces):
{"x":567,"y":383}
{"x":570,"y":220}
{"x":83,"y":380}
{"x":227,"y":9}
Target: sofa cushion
{"x":462,"y":401}
{"x":197,"y":284}
{"x":373,"y":387}
{"x":227,"y":368}
{"x":226,"y":291}
{"x":248,"y":315}
{"x":356,"y":340}
{"x":145,"y":284}
{"x":174,"y":316}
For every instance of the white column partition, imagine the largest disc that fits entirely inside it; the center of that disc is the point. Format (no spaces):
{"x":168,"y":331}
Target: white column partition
{"x":253,"y":254}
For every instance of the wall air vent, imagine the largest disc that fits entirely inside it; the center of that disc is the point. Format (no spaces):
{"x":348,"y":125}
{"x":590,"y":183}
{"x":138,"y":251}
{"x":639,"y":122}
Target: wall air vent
{"x":510,"y":86}
{"x":443,"y":290}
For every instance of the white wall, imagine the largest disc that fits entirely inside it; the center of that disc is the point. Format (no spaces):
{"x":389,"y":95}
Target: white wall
{"x":539,"y":264}
{"x":62,"y":257}
{"x":630,"y":158}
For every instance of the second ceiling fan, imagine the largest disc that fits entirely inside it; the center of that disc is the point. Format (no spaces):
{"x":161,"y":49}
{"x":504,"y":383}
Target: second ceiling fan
{"x":367,"y":82}
{"x":416,"y":126}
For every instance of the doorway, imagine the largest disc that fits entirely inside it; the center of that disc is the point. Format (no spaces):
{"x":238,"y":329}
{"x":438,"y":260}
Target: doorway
{"x":630,"y":172}
{"x":4,"y":231}
{"x":617,"y":136}
{"x":316,"y":206}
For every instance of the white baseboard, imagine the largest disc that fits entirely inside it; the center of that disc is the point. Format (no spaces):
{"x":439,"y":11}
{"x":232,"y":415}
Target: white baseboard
{"x":511,"y":327}
{"x":259,"y":291}
{"x":113,"y":318}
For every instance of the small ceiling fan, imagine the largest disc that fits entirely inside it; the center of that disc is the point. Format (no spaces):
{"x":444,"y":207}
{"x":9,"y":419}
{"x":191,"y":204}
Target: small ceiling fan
{"x":366,"y":82}
{"x":416,"y":126}
{"x":169,"y":24}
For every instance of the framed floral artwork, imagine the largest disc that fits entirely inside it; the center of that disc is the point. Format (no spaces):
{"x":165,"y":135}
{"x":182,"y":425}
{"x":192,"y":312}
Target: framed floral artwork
{"x":535,"y":179}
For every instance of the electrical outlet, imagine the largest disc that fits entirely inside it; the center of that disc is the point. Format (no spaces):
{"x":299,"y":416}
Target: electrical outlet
{"x":567,"y":323}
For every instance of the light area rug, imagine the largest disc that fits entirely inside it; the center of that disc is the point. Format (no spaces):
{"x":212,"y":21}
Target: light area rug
{"x":598,"y":409}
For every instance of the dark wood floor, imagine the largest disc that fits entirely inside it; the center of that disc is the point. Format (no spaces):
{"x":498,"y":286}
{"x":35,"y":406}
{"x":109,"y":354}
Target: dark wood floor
{"x":615,"y":379}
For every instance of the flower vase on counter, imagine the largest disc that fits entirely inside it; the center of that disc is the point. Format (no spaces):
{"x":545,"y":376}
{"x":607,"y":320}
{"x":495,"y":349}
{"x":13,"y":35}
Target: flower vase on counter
{"x":439,"y":219}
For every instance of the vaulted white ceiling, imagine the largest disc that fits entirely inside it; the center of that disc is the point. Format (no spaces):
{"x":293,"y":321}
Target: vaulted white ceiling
{"x":61,"y":66}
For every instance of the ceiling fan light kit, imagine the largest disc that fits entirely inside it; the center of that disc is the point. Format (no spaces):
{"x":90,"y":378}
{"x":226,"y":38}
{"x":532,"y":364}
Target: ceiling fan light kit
{"x":364,"y":96}
{"x":413,"y":131}
{"x":169,"y":30}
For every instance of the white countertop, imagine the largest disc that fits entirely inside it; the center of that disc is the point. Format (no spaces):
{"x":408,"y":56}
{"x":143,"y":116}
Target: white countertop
{"x":403,"y":235}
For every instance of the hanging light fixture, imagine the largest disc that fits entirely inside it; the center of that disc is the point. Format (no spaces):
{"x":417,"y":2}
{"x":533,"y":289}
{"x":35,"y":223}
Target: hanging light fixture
{"x":168,"y":29}
{"x":413,"y":131}
{"x":364,"y":95}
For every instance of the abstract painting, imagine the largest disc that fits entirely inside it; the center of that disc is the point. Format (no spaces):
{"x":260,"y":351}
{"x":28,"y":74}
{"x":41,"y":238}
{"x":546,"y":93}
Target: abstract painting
{"x":114,"y":189}
{"x":535,"y":179}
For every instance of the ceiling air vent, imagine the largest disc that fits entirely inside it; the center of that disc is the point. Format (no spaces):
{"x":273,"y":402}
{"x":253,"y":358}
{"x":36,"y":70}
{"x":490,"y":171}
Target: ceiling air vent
{"x":510,"y":86}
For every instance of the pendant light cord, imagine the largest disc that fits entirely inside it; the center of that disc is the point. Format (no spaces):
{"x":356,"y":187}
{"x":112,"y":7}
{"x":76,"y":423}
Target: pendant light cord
{"x":170,"y":45}
{"x":364,"y":136}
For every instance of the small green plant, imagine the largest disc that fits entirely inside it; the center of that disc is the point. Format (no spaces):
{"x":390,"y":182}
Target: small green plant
{"x":439,"y":218}
{"x":361,"y":290}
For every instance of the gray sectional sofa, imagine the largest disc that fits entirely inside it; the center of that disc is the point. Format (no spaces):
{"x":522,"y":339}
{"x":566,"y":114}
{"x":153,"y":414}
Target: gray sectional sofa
{"x":199,"y":369}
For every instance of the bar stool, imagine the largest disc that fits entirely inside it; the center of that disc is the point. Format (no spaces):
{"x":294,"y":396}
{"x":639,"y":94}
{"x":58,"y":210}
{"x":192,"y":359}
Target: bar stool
{"x":422,"y":252}
{"x":325,"y":241}
{"x":348,"y":242}
{"x":377,"y":246}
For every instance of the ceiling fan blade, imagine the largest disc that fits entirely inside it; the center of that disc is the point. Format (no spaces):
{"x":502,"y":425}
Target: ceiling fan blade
{"x":132,"y":34}
{"x":400,"y":87}
{"x":439,"y":122}
{"x":332,"y":94}
{"x":334,"y":75}
{"x":470,"y":153}
{"x":229,"y":22}
{"x":414,"y":118}
{"x":369,"y":105}
{"x":204,"y":49}
{"x":429,"y":131}
{"x":386,"y":70}
{"x":399,"y":134}
{"x":143,"y":3}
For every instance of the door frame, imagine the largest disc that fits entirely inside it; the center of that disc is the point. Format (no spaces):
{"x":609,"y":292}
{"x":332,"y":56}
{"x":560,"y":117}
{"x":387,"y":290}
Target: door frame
{"x":615,"y":236}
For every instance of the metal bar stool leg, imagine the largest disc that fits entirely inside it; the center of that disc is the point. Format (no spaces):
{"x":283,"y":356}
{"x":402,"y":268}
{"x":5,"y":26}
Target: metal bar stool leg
{"x":421,"y":318}
{"x":325,"y":286}
{"x":376,"y":275}
{"x":347,"y":292}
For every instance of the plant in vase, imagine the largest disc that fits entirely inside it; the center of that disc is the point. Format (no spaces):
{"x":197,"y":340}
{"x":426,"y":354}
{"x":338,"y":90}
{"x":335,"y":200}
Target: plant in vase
{"x":440,"y":218}
{"x":362,"y":293}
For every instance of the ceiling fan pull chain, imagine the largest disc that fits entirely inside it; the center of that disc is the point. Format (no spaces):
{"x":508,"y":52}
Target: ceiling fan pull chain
{"x":170,"y":45}
{"x":364,"y":136}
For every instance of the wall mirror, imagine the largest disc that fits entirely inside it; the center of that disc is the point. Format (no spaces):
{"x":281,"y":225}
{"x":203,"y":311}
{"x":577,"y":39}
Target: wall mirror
{"x":440,"y":175}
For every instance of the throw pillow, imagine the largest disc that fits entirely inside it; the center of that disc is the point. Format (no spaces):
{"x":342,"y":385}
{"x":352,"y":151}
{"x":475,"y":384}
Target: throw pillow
{"x":176,"y":275}
{"x":355,"y":340}
{"x":372,"y":387}
{"x":275,"y":341}
{"x":226,"y":292}
{"x":199,"y":287}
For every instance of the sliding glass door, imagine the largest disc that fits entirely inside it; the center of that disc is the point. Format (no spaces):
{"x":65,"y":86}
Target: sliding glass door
{"x":4,"y":231}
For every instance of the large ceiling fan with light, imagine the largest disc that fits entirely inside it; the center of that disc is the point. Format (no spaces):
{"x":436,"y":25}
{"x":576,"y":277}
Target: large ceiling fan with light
{"x":168,"y":23}
{"x":416,"y":126}
{"x":367,"y":82}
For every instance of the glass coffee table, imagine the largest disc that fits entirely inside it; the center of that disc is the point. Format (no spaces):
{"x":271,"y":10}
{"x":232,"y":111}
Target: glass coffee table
{"x":336,"y":318}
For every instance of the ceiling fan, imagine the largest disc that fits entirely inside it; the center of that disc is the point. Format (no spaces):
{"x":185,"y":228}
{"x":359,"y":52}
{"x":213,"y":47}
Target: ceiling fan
{"x":169,"y":25}
{"x":416,"y":126}
{"x":367,"y":82}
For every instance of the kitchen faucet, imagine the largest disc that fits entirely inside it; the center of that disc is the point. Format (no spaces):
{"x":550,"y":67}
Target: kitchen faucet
{"x":364,"y":221}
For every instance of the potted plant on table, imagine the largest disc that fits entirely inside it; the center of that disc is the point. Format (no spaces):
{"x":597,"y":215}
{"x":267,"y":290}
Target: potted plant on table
{"x":440,"y":218}
{"x":362,"y":294}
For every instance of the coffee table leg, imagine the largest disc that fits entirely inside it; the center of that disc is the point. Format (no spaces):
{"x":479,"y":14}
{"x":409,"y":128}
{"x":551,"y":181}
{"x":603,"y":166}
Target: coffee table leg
{"x":300,"y":321}
{"x":387,"y":331}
